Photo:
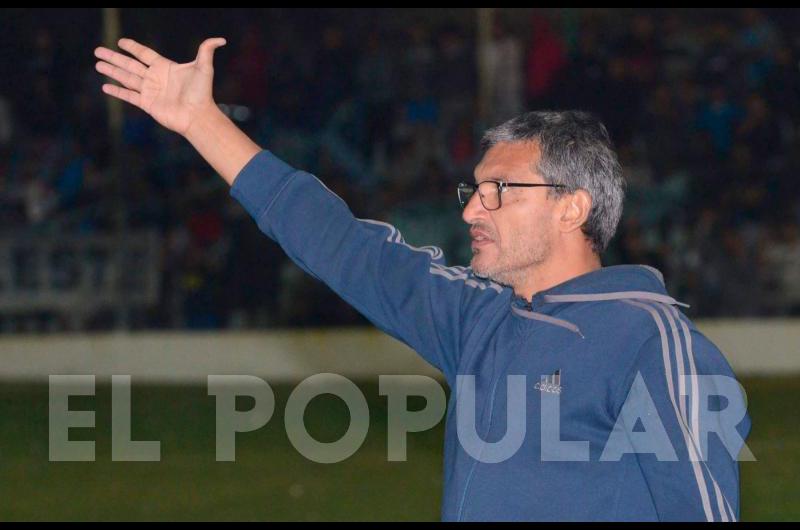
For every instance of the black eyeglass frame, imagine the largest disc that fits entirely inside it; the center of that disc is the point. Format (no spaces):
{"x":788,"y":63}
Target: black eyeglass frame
{"x":501,"y":187}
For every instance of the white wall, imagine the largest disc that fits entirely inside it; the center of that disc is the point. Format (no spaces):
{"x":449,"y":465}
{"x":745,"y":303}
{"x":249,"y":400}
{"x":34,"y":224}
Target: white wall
{"x":757,"y":346}
{"x":752,"y":346}
{"x":191,"y":357}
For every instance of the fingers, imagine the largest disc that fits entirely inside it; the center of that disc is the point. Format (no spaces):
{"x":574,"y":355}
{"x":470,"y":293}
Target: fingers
{"x":124,"y":94}
{"x":143,"y":53}
{"x":117,"y":59}
{"x":205,"y":54}
{"x":127,"y":79}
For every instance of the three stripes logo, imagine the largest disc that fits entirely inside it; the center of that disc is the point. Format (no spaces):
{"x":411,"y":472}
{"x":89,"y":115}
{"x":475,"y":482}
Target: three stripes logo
{"x":550,"y":384}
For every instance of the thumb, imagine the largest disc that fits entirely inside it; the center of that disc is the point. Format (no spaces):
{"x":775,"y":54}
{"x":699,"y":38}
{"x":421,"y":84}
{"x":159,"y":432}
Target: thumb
{"x":205,"y":54}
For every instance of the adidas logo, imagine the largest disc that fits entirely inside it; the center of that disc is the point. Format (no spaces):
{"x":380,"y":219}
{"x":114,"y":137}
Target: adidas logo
{"x":550,"y":384}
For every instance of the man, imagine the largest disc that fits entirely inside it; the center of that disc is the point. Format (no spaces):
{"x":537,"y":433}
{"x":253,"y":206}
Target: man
{"x":614,"y":422}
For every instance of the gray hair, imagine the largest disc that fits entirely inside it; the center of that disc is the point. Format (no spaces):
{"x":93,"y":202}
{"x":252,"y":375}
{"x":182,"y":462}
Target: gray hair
{"x":576,"y":151}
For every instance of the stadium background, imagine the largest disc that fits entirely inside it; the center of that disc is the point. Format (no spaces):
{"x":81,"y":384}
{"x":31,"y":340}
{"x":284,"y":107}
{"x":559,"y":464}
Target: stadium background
{"x":114,"y":234}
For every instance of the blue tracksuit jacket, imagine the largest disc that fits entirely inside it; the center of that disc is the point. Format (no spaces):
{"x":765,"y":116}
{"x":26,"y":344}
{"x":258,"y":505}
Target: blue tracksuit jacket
{"x":602,"y":353}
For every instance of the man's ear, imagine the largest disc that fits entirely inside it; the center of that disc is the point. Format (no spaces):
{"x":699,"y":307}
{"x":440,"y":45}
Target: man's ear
{"x":575,"y":209}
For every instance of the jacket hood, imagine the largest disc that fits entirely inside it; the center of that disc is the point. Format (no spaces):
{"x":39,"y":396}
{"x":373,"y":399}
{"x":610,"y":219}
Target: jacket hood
{"x":618,"y":282}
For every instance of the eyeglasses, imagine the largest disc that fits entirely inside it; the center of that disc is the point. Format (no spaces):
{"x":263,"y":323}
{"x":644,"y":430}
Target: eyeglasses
{"x":490,"y":191}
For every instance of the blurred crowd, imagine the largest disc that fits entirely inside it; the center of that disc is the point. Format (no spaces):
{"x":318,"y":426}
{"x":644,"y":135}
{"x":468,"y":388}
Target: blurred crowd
{"x":703,"y":107}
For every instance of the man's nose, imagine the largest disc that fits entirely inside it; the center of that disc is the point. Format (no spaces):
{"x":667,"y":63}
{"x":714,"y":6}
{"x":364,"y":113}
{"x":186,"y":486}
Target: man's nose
{"x":474,"y":210}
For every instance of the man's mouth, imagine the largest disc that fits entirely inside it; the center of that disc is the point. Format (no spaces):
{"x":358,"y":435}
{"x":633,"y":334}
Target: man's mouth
{"x":479,"y":238}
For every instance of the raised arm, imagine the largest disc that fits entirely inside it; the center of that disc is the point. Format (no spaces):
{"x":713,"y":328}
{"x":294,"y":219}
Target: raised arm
{"x":406,"y":291}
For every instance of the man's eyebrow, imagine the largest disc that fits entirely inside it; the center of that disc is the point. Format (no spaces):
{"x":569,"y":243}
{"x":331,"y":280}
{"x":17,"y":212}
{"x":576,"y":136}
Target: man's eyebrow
{"x":497,"y":178}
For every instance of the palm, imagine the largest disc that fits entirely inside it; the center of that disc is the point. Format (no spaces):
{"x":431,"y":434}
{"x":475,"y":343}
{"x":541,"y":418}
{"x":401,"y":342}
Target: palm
{"x":173,"y":94}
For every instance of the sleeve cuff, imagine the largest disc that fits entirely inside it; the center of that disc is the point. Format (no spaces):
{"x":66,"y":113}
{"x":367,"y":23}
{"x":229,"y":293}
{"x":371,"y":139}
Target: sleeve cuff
{"x":260,"y":182}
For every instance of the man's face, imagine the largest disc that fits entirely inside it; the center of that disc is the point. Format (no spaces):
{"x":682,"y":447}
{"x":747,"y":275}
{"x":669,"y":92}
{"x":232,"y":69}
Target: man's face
{"x":508,"y":243}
